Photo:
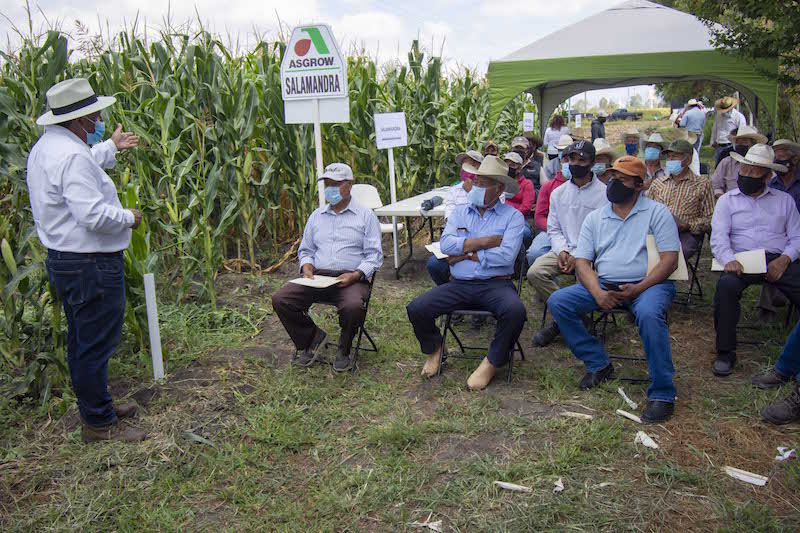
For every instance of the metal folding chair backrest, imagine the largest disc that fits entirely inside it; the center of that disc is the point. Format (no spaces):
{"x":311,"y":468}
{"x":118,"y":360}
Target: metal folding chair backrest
{"x":366,"y":195}
{"x":520,"y":269}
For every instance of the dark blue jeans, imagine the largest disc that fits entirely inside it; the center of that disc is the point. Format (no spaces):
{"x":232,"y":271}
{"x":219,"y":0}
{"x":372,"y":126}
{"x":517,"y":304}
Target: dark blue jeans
{"x":788,"y":363}
{"x":92,"y":288}
{"x":498,"y":296}
{"x":439,"y":269}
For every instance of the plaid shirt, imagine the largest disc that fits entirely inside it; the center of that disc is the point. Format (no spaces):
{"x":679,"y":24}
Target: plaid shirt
{"x":691,"y":199}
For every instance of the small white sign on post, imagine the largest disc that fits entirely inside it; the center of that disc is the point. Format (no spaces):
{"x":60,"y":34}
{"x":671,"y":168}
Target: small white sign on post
{"x":390,"y":133}
{"x":527,"y":122}
{"x":578,"y":121}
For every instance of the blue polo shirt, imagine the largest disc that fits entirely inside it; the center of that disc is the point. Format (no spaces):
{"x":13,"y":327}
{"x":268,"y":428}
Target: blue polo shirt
{"x":618,"y":247}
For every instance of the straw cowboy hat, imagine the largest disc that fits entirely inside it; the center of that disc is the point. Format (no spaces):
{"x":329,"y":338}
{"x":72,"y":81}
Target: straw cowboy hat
{"x":692,"y":102}
{"x":748,"y":132}
{"x":632,"y":132}
{"x":495,"y":168}
{"x":655,"y":138}
{"x":725,"y":104}
{"x":602,"y":147}
{"x":564,"y":141}
{"x":71,"y":99}
{"x":674,"y":134}
{"x":581,"y":134}
{"x":786,"y":144}
{"x":759,"y":155}
{"x":469,"y":154}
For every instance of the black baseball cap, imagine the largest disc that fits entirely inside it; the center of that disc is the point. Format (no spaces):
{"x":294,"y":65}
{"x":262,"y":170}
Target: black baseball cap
{"x":582,"y":148}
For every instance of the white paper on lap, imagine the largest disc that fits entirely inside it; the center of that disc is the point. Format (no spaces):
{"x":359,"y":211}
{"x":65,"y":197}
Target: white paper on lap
{"x":681,"y":273}
{"x":436,"y":249}
{"x":753,"y":262}
{"x":318,"y":282}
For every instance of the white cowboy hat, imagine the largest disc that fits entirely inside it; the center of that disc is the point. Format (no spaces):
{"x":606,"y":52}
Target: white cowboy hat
{"x":674,"y":134}
{"x":495,"y":168}
{"x":786,"y":144}
{"x":748,"y":132}
{"x":692,"y":102}
{"x":564,"y":141}
{"x":759,"y":155}
{"x":71,"y":99}
{"x":602,"y":147}
{"x":602,"y":114}
{"x":633,"y":132}
{"x":655,"y":138}
{"x":469,"y":154}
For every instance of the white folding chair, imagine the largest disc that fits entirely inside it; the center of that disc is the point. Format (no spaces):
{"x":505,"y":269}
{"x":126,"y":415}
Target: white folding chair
{"x":367,"y":195}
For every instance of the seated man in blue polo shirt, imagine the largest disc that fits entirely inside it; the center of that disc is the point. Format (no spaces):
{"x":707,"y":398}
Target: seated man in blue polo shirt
{"x":483,"y":240}
{"x":614,"y":238}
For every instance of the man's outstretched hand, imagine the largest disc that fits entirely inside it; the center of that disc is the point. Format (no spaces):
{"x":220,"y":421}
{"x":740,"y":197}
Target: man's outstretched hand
{"x":124,"y":139}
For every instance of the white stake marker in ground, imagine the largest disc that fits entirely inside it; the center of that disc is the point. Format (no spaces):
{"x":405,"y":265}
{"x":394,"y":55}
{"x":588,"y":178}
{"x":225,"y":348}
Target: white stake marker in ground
{"x":152,"y":325}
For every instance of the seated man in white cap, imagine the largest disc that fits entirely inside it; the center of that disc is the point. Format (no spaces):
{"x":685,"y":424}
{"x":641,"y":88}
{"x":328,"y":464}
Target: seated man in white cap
{"x":653,"y":153}
{"x":599,"y":126}
{"x":457,"y":195}
{"x":81,"y":222}
{"x":726,"y":173}
{"x":753,"y":216}
{"x":727,"y":120}
{"x":485,"y":237}
{"x":688,"y":196}
{"x":342,"y":240}
{"x":694,"y":119}
{"x":525,"y":198}
{"x":604,"y":157}
{"x":569,"y":206}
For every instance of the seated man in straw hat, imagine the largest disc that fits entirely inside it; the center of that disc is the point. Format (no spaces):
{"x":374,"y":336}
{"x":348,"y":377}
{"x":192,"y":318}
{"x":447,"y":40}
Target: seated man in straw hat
{"x":726,"y":173}
{"x":631,"y":138}
{"x":653,"y":153}
{"x":727,"y":119}
{"x":688,"y":196}
{"x":611,"y":265}
{"x":342,"y":239}
{"x":468,"y":163}
{"x":80,"y":220}
{"x":569,"y":206}
{"x":752,"y":217}
{"x":484,"y":238}
{"x":604,"y":157}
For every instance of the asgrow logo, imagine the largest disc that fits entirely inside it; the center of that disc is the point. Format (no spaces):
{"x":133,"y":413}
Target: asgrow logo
{"x":302,"y":46}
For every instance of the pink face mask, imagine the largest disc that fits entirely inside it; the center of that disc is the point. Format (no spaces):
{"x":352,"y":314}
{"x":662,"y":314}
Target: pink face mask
{"x":466,"y":175}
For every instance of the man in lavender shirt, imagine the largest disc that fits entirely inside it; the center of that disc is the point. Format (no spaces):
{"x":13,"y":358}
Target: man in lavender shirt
{"x":752,"y":217}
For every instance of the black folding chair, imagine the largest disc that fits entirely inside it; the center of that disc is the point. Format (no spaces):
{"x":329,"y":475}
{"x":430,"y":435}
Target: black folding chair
{"x":695,"y":289}
{"x":545,"y":311}
{"x":362,"y":331}
{"x":519,"y":272}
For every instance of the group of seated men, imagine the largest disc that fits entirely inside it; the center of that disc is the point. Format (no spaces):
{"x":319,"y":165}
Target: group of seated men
{"x":596,"y":227}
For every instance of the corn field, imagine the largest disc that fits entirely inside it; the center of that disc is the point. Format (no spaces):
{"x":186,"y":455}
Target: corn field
{"x":218,"y":174}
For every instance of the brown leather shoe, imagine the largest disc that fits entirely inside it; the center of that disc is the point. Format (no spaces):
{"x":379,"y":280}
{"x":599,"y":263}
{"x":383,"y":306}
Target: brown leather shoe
{"x":126,"y":410}
{"x":116,"y":431}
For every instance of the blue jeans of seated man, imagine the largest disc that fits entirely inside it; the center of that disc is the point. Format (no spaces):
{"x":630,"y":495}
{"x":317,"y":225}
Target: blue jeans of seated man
{"x":788,"y":363}
{"x":650,"y":309}
{"x":539,"y":247}
{"x":439,"y":269}
{"x":92,"y":290}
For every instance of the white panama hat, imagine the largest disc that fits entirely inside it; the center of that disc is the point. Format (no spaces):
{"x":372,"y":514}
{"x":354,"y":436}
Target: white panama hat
{"x":71,"y":99}
{"x":759,"y":155}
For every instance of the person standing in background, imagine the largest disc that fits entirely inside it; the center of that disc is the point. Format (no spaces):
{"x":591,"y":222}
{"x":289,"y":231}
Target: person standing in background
{"x":693,"y":119}
{"x":599,"y":126}
{"x":557,"y":129}
{"x":728,"y":118}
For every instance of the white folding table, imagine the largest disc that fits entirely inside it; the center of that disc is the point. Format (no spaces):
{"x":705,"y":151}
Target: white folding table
{"x":412,"y":207}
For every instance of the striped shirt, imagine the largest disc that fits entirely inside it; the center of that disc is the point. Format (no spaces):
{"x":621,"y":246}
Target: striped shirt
{"x":347,"y":241}
{"x":690,"y":199}
{"x":456,"y":196}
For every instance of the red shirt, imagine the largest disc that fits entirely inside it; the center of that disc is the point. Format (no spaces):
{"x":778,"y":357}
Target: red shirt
{"x":543,"y":205}
{"x":523,"y":201}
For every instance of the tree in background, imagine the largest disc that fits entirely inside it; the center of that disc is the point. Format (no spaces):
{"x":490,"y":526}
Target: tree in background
{"x":682,"y":91}
{"x":635,"y":101}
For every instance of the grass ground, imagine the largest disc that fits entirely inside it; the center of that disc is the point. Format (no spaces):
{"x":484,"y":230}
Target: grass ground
{"x":242,"y":440}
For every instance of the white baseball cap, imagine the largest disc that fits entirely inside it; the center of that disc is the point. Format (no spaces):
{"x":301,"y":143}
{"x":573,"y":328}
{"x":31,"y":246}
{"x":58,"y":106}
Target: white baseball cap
{"x":337,"y":172}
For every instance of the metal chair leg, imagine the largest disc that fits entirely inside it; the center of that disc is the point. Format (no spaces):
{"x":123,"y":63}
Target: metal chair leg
{"x":443,"y":349}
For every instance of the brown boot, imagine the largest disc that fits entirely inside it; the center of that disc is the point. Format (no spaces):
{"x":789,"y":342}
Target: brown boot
{"x":126,"y":410}
{"x":115,"y":431}
{"x":431,"y":366}
{"x":480,"y":379}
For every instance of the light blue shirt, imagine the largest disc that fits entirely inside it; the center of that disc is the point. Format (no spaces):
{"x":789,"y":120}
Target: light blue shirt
{"x":693,"y":120}
{"x":618,"y":247}
{"x":348,"y":241}
{"x":467,"y":223}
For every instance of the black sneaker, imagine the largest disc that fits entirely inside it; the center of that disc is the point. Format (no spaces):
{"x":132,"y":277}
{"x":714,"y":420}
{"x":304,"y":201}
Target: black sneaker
{"x":784,"y":411}
{"x":593,"y":379}
{"x":342,"y":362}
{"x":546,"y":335}
{"x":723,"y":365}
{"x":309,"y":356}
{"x":771,"y":379}
{"x":657,"y":411}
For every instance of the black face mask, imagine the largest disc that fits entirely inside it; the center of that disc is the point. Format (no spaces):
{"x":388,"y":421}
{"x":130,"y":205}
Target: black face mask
{"x":523,"y":155}
{"x":617,"y":192}
{"x":578,"y":171}
{"x":741,"y":150}
{"x":512,"y":172}
{"x":750,"y":185}
{"x":785,"y":162}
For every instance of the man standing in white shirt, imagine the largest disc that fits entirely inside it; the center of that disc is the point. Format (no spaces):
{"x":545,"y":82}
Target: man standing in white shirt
{"x":728,"y":118}
{"x":80,"y":220}
{"x":569,"y":205}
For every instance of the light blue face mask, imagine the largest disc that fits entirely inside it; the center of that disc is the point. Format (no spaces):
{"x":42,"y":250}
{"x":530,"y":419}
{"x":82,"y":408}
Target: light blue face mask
{"x":477,"y":195}
{"x":674,"y":167}
{"x":652,"y":154}
{"x":565,"y":171}
{"x":598,"y":168}
{"x":560,"y":154}
{"x":332,"y":194}
{"x":97,"y":135}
